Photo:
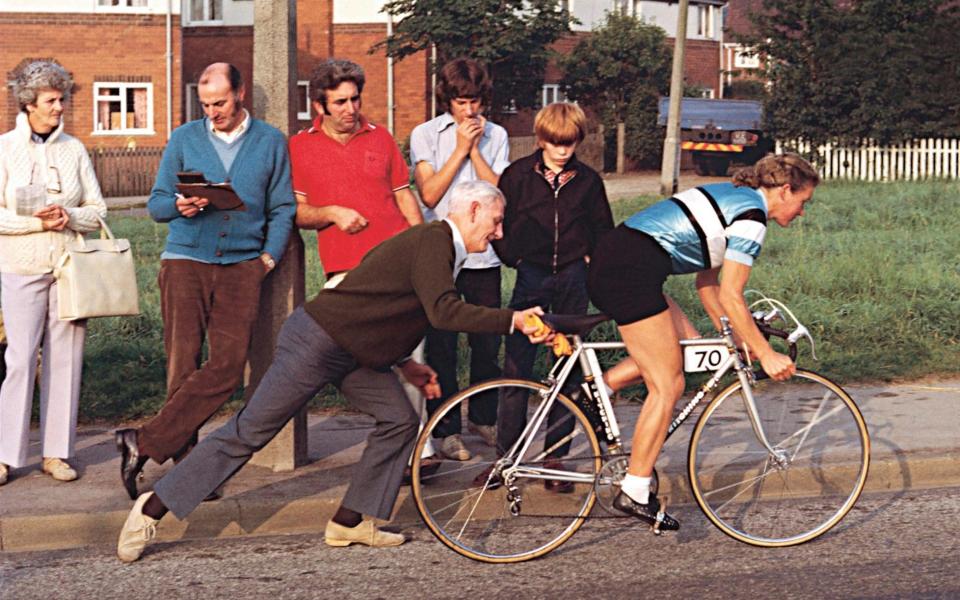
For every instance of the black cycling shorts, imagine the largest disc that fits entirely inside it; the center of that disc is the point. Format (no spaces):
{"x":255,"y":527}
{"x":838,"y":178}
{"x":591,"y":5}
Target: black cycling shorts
{"x":627,"y":272}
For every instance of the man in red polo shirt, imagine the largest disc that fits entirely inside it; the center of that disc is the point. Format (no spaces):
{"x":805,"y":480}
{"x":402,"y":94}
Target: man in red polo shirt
{"x":351,"y":182}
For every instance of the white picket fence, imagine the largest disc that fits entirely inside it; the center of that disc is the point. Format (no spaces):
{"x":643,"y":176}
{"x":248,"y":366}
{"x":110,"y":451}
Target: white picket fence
{"x":910,"y":161}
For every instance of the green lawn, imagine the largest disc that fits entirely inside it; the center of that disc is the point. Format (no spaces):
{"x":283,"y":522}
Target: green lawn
{"x":872,"y":270}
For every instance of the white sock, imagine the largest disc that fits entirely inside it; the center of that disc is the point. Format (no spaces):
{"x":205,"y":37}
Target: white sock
{"x":638,"y":488}
{"x":610,"y":391}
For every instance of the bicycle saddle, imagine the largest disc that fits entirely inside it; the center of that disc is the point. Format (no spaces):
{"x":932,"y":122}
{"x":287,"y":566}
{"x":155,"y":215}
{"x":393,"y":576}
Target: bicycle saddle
{"x":574,"y":324}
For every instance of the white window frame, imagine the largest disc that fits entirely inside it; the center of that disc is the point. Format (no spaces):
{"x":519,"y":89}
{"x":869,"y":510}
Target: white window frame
{"x":637,"y":9}
{"x":125,"y":5}
{"x":744,"y":59}
{"x":569,"y":4}
{"x":707,"y":93}
{"x":188,"y":13}
{"x":706,"y":20}
{"x":122,"y":98}
{"x":545,"y":92}
{"x":305,"y":84}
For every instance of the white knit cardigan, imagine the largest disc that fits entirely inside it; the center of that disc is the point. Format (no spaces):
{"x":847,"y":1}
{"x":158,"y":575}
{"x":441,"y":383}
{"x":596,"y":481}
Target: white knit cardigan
{"x":24,"y":247}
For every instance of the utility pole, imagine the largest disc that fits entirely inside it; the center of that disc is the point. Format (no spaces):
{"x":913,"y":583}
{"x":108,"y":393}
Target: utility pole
{"x":670,"y":169}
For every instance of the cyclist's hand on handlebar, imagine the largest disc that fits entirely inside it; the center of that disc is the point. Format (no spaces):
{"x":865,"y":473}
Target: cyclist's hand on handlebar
{"x":778,"y":366}
{"x":529,"y":323}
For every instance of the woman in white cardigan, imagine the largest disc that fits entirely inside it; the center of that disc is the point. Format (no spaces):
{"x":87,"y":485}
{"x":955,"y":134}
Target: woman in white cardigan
{"x":49,"y":192}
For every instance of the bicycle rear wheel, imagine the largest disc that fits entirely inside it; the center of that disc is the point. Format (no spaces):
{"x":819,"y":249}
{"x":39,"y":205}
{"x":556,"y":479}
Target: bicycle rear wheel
{"x":510,"y":518}
{"x":824,"y":456}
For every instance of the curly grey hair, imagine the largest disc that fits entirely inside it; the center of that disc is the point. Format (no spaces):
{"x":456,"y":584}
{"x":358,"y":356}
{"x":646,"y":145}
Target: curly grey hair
{"x":38,"y":76}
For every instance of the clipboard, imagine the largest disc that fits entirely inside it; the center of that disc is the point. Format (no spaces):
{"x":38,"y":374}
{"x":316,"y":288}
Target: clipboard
{"x":221,"y":195}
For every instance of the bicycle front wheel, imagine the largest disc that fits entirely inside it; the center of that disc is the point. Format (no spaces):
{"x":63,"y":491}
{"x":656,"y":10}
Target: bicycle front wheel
{"x":822,"y":453}
{"x":510,"y":516}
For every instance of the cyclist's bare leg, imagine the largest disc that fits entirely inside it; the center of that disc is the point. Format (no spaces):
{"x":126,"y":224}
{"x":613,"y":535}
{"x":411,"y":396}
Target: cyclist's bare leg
{"x":626,"y":372}
{"x":654,"y":347}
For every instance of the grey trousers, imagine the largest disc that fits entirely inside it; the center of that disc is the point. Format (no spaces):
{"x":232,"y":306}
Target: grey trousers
{"x":306,"y":359}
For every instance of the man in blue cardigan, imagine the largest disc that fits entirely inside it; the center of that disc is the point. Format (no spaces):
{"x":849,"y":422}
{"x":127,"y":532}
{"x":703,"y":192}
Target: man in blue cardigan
{"x":213,"y":263}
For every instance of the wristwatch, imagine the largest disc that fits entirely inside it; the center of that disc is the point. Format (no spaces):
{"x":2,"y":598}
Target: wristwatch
{"x":268,"y":260}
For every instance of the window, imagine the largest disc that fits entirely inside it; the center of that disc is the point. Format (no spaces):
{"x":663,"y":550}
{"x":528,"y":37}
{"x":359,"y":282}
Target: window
{"x":551,"y":93}
{"x":745,"y":58}
{"x":191,"y":104}
{"x":205,"y":11}
{"x":303,"y":100}
{"x":706,"y":20}
{"x":566,"y":5}
{"x":124,"y":3}
{"x":122,"y":108}
{"x":637,"y":11}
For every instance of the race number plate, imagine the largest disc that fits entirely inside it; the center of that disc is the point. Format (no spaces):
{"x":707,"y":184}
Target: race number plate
{"x":704,"y":357}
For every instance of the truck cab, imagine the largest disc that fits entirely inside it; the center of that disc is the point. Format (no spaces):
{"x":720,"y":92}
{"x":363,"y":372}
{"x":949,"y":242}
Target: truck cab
{"x":719,"y":132}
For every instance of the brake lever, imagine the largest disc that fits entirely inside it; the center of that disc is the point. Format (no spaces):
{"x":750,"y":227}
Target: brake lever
{"x":802,"y":331}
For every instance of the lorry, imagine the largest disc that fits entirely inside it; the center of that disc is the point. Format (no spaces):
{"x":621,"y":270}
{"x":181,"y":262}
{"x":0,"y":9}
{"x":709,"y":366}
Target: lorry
{"x":719,"y":132}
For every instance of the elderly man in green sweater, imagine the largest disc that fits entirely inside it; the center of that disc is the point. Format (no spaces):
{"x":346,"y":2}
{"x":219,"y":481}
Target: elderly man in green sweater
{"x":350,"y":336}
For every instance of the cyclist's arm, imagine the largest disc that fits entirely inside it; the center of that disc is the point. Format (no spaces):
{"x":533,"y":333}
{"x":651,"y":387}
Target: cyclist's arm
{"x":708,"y":288}
{"x":733,"y":280}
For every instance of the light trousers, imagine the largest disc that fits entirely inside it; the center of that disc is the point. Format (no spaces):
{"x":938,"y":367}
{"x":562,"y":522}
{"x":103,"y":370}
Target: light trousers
{"x":30,"y":317}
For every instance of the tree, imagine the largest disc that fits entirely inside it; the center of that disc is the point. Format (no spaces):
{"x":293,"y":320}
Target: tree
{"x":511,"y":37}
{"x":620,"y":71}
{"x":885,"y":70}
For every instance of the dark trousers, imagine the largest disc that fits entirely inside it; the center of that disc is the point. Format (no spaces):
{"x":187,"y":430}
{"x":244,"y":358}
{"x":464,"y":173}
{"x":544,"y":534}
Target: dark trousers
{"x":564,"y":292}
{"x":197,"y":300}
{"x":481,"y":287}
{"x":306,"y":359}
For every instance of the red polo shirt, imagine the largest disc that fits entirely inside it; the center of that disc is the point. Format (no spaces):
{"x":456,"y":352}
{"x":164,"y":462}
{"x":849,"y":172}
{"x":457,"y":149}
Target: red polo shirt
{"x":362,"y":174}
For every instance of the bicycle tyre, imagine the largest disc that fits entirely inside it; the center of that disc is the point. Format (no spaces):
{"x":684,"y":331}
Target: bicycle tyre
{"x":746,"y":494}
{"x":474,"y":519}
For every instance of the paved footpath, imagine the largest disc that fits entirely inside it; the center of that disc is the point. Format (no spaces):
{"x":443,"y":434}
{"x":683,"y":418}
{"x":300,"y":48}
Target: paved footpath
{"x":915,"y":432}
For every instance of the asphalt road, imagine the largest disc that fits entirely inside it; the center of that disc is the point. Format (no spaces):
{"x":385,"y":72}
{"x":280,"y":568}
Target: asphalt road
{"x":904,"y":545}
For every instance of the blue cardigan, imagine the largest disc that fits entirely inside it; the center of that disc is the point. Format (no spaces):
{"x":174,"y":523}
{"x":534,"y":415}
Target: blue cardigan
{"x":260,"y":174}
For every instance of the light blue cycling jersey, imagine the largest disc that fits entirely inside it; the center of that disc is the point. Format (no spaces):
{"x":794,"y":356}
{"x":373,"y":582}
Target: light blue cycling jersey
{"x":701,"y":227}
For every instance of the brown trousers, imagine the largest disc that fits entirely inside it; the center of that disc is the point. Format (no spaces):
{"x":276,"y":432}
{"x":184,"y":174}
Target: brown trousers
{"x":197,"y":300}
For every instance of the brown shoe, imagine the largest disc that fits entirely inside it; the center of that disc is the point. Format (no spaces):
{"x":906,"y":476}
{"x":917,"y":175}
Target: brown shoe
{"x":366,"y":532}
{"x":58,"y":469}
{"x":555,"y":485}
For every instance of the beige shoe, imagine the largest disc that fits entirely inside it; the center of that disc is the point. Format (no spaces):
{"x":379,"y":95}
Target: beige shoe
{"x":366,"y":532}
{"x":488,"y":433}
{"x":137,"y":530}
{"x":452,"y":447}
{"x":58,"y":469}
{"x":4,"y":473}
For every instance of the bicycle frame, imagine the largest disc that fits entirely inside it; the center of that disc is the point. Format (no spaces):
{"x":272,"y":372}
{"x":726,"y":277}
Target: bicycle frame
{"x":585,"y":354}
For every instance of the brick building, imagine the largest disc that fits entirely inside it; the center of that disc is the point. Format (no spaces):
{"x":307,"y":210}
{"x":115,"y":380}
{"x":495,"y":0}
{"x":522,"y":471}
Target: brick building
{"x":118,"y":57}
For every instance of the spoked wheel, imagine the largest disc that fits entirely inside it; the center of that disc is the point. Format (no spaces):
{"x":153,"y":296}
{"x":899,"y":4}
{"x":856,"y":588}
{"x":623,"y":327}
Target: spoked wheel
{"x":822,"y":456}
{"x":506,"y":514}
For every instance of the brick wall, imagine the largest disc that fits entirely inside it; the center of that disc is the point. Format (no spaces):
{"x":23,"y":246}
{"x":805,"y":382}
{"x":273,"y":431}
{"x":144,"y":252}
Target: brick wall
{"x":410,"y":78}
{"x":203,"y":46}
{"x":702,"y":65}
{"x":94,"y":47}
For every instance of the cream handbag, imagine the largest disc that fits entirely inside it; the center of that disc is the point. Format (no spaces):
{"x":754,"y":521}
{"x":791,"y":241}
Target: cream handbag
{"x":96,"y":278}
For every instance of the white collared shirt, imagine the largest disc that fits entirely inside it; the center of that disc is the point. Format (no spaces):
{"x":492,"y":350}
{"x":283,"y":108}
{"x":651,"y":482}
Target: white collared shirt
{"x":459,"y":249}
{"x":230,"y":137}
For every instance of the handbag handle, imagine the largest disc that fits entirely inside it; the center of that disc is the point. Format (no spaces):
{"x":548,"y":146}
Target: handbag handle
{"x":105,"y":234}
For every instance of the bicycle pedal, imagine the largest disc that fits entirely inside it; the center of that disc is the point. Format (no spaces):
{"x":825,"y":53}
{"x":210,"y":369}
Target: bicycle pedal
{"x":660,"y":515}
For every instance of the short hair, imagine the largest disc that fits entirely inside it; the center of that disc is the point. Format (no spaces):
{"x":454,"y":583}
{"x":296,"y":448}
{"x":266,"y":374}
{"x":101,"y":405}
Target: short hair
{"x":38,"y":76}
{"x":774,"y":170}
{"x":329,"y":74}
{"x":463,"y":78}
{"x":560,"y":123}
{"x":233,"y":75}
{"x":464,"y":194}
